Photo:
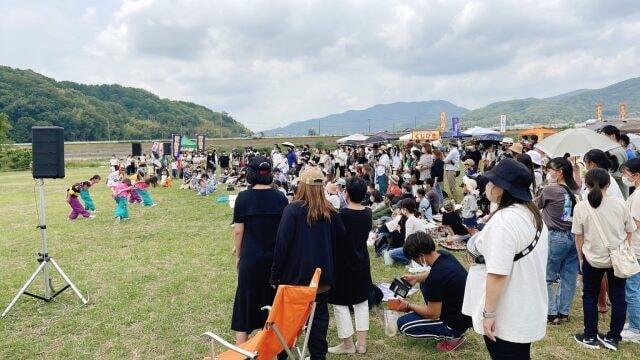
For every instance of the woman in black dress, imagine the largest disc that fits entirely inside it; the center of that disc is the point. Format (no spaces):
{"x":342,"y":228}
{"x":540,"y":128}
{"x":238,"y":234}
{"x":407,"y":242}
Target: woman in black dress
{"x":256,"y":217}
{"x":353,"y":271}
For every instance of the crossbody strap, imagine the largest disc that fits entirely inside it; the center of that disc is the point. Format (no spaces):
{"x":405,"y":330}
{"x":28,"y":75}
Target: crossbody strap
{"x":598,"y":226}
{"x":531,"y":246}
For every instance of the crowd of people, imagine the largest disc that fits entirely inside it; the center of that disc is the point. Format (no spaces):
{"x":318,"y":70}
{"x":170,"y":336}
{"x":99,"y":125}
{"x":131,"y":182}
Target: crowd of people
{"x":533,"y":228}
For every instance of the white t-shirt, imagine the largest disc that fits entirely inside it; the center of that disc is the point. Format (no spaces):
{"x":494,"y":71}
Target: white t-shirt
{"x":383,"y":163}
{"x":334,"y":200}
{"x":413,"y":225}
{"x":615,"y":220}
{"x":633,"y":204}
{"x":614,"y":189}
{"x":521,"y":314}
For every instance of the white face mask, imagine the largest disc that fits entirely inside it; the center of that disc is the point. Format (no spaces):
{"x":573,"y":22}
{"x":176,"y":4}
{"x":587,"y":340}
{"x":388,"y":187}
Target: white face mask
{"x":627,"y":182}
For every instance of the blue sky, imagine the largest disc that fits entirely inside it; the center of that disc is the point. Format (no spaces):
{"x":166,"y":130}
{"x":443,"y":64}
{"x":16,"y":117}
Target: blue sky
{"x":269,"y":63}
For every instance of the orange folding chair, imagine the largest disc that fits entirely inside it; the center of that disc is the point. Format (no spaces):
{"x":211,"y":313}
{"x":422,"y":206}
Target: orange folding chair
{"x":293,"y":308}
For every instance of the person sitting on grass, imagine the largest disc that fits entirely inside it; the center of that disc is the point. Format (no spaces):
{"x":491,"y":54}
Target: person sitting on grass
{"x":410,"y":226}
{"x":443,"y":290}
{"x":451,"y":219}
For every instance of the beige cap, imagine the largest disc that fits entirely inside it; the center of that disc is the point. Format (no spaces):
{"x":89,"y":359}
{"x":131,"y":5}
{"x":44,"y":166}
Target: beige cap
{"x":332,"y":188}
{"x":469,"y":162}
{"x":517,"y":148}
{"x":312,"y":176}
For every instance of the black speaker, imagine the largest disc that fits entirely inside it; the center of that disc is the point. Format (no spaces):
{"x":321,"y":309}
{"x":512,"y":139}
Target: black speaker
{"x":166,"y":149}
{"x":136,"y":149}
{"x":47,"y":151}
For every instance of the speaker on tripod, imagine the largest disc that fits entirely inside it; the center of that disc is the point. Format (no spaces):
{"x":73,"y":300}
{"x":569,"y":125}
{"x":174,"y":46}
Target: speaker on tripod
{"x":136,"y":149}
{"x":48,"y":162}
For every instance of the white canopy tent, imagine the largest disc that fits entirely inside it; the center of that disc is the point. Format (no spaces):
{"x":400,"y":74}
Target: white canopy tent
{"x":407,"y":137}
{"x":480,"y":131}
{"x":352,"y":138}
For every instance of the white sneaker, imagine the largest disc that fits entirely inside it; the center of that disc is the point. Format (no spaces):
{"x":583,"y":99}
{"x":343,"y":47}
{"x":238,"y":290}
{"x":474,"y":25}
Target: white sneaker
{"x":154,"y":204}
{"x":91,"y":217}
{"x":630,"y":335}
{"x":388,"y":260}
{"x":341,"y":349}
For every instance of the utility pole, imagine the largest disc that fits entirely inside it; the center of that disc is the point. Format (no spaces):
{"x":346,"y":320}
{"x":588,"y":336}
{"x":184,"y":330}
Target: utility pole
{"x":318,"y":127}
{"x":369,"y":126}
{"x":108,"y":129}
{"x":414,"y":123}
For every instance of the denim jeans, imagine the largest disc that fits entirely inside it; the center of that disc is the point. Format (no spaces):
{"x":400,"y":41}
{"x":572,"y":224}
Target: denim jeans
{"x":591,"y":279}
{"x":632,"y":296}
{"x":439,"y":186}
{"x":398,"y":256}
{"x":562,"y":263}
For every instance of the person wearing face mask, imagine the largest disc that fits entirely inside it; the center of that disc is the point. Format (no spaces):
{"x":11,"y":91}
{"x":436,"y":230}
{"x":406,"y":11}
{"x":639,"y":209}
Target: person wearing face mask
{"x":506,"y":290}
{"x":557,"y":201}
{"x":443,"y":291}
{"x":598,"y":159}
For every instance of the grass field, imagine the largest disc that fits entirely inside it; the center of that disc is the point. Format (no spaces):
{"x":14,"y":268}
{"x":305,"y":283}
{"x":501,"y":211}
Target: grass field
{"x":157,"y":282}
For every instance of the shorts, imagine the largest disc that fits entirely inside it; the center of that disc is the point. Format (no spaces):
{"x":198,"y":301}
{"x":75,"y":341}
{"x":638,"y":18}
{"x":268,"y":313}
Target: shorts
{"x":470,"y":222}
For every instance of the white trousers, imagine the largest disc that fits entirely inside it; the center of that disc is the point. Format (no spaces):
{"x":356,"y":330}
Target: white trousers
{"x":343,"y":319}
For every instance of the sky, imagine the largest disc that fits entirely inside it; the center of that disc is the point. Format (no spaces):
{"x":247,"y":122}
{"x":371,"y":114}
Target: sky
{"x":269,"y":63}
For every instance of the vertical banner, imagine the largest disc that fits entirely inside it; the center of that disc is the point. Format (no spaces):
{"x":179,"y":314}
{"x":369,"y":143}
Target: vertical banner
{"x":503,"y":123}
{"x":455,"y":126}
{"x":622,"y":109}
{"x":176,"y":142}
{"x":599,"y":112}
{"x":200,"y":143}
{"x":443,"y":121}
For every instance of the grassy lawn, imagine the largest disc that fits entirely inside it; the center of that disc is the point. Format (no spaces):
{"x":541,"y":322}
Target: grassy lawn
{"x":157,"y":282}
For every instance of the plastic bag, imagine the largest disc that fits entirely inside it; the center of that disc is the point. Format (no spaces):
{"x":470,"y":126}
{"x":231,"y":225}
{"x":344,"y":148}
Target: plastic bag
{"x":391,"y":322}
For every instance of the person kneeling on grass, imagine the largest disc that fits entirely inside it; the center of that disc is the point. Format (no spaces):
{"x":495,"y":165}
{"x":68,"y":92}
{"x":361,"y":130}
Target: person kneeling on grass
{"x":443,"y":291}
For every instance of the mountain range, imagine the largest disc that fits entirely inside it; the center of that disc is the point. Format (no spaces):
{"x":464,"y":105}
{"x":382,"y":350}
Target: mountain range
{"x":102,"y":112}
{"x":571,"y":107}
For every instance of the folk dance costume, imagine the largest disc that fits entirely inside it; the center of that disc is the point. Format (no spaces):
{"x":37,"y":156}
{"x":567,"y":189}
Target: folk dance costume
{"x":88,"y":201}
{"x":76,"y":206}
{"x":142,"y":190}
{"x":121,"y":192}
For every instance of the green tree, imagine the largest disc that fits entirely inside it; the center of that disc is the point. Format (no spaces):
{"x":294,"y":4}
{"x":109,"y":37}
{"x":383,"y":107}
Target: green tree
{"x":5,"y":126}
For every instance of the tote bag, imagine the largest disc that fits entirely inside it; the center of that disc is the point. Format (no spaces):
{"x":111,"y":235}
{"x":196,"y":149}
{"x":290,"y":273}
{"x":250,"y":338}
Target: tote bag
{"x":623,"y":258}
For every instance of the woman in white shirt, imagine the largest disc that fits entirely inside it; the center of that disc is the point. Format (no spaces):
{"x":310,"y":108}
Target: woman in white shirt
{"x":595,"y":159}
{"x":408,"y":208}
{"x":506,"y":291}
{"x":608,"y":215}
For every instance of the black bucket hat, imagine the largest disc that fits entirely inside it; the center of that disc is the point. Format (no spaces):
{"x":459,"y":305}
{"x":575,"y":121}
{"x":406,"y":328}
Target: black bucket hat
{"x":513,"y":177}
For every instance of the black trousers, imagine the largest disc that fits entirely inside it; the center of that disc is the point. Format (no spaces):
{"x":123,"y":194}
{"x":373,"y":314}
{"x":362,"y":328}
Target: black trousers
{"x":319,"y":326}
{"x":318,"y":337}
{"x":505,"y":350}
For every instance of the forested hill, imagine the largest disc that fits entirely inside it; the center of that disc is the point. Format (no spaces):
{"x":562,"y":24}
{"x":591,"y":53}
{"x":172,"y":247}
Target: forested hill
{"x":102,"y":112}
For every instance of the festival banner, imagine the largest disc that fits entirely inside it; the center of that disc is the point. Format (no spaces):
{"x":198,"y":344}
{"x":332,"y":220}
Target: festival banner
{"x":599,"y":112}
{"x":622,"y":109}
{"x":200,"y":143}
{"x":455,"y":126}
{"x":176,"y":142}
{"x":443,"y":121}
{"x":426,"y":135}
{"x":503,"y":123}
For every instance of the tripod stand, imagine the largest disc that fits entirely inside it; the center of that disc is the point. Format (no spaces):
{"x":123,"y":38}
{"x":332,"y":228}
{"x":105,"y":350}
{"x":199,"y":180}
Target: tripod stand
{"x":45,"y":260}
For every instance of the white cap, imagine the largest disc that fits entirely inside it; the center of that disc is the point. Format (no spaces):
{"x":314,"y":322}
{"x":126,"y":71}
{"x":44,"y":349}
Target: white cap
{"x":507,"y":140}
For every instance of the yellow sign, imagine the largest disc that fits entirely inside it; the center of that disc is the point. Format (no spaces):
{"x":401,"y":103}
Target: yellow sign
{"x":428,"y":135}
{"x":622,"y":107}
{"x":599,"y":112}
{"x":443,"y":120}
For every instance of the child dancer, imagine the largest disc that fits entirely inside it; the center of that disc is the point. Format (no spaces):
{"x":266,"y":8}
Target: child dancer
{"x":121,"y":192}
{"x":142,"y":189}
{"x":134,"y":197}
{"x":76,"y":206}
{"x":86,"y":196}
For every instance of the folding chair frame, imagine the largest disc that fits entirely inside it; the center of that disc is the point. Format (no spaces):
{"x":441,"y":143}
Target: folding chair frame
{"x":213,"y":338}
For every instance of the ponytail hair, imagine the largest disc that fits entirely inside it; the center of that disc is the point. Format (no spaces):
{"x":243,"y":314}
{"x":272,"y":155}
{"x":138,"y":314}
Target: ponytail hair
{"x":601,"y":159}
{"x":597,"y":180}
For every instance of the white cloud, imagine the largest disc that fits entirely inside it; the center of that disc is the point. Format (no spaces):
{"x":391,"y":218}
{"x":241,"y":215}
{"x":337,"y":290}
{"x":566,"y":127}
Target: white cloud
{"x":272,"y":62}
